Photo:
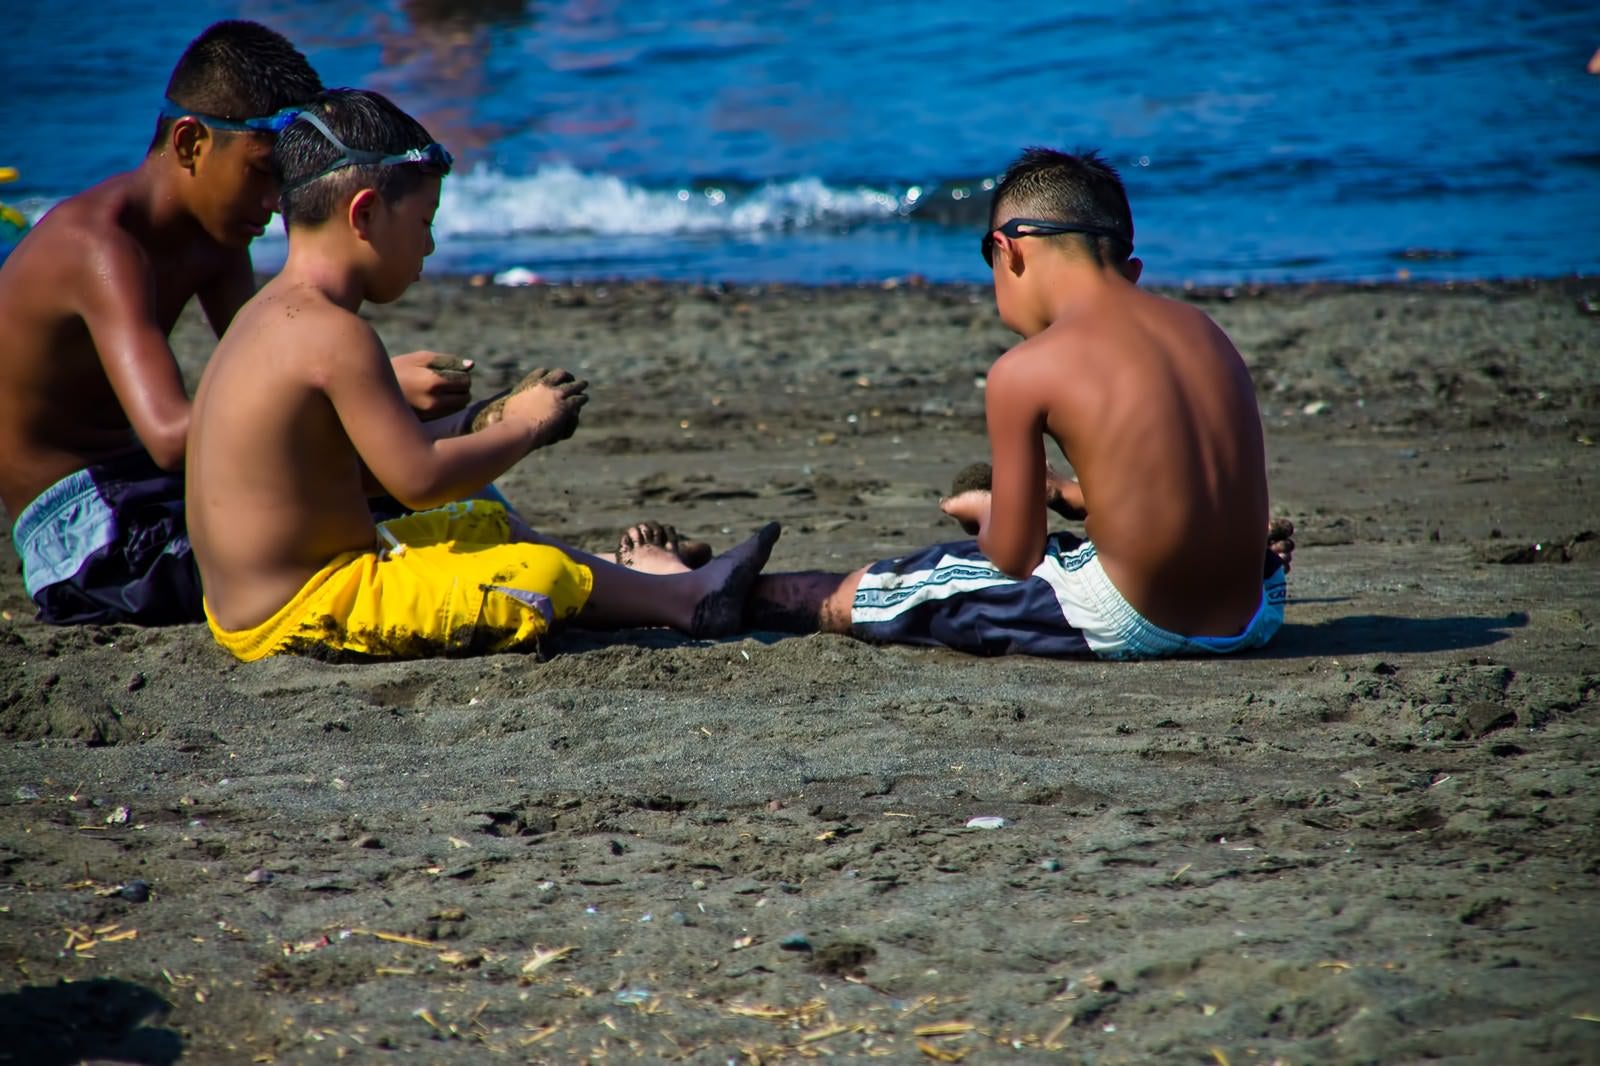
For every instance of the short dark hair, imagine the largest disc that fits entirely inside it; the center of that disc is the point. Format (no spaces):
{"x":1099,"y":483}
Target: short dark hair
{"x":238,"y":70}
{"x":1068,"y":187}
{"x":363,"y":120}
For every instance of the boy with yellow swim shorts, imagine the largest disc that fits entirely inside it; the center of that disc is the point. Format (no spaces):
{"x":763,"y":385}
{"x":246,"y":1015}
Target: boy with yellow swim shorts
{"x":299,"y":413}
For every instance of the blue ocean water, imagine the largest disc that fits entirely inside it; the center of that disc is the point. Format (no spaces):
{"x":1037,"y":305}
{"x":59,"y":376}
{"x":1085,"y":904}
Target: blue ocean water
{"x":831,"y":140}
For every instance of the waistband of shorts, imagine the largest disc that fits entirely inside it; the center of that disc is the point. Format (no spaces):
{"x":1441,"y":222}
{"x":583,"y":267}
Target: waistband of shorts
{"x":1122,"y":632}
{"x":268,"y":638}
{"x":69,"y":490}
{"x":46,"y":557}
{"x":1118,"y":628}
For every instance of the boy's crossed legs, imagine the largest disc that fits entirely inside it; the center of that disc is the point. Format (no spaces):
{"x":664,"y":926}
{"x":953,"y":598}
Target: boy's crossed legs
{"x":818,"y":601}
{"x":657,"y":579}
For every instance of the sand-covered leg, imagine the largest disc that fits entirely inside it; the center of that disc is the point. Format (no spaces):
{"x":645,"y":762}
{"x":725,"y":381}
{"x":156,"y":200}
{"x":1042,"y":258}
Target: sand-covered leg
{"x":728,"y":580}
{"x":654,"y":548}
{"x":810,"y":601}
{"x":708,"y":602}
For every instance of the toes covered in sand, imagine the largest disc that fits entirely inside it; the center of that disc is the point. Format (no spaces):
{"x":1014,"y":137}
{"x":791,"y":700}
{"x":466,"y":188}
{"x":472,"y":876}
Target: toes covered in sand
{"x":654,"y":548}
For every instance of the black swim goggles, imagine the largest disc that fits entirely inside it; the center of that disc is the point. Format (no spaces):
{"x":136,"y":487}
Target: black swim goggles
{"x":1039,"y":227}
{"x":273,"y":123}
{"x":434,"y":155}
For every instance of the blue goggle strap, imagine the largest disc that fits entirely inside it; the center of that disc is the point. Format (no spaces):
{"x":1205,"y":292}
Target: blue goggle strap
{"x":434,"y":154}
{"x":273,"y":123}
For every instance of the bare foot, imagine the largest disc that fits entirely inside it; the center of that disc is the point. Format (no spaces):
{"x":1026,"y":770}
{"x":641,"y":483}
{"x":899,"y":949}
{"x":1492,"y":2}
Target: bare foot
{"x":727,"y":581}
{"x":653,"y":548}
{"x":1280,"y":540}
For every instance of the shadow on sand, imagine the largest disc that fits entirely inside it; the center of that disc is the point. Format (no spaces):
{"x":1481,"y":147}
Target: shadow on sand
{"x":103,"y":1019}
{"x":1364,"y":634}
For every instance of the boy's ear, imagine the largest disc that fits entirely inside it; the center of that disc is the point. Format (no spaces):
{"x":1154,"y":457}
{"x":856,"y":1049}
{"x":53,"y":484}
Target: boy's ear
{"x":188,"y":139}
{"x":1133,"y":268}
{"x":1012,"y":259}
{"x":363,"y":205}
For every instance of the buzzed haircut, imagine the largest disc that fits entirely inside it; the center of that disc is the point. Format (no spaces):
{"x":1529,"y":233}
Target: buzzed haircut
{"x":1068,"y":187}
{"x":365,"y":121}
{"x":238,"y":70}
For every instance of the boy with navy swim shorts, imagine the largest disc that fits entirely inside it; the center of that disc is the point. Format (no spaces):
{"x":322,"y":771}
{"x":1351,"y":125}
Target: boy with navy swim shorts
{"x":93,"y":411}
{"x":1154,"y":408}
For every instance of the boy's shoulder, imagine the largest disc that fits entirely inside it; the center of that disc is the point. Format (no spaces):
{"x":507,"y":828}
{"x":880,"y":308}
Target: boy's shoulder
{"x":106,"y":231}
{"x":286,"y":311}
{"x":108,"y":210}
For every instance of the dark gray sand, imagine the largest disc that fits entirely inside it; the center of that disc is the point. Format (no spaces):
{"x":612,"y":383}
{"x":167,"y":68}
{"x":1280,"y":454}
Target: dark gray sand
{"x":1375,"y":842}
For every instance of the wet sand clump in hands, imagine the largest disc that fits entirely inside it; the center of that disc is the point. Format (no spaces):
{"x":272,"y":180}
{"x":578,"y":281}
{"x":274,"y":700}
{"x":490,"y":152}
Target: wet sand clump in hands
{"x":978,"y":477}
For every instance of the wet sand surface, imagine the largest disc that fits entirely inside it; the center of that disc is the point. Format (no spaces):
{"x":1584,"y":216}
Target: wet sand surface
{"x":1377,"y":841}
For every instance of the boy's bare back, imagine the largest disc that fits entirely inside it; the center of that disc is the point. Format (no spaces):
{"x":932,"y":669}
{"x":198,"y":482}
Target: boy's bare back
{"x":1154,"y":408}
{"x":267,"y":443}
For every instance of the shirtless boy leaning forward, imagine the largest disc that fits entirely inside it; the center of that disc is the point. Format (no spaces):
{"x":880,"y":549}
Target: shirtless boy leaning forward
{"x":1154,"y":408}
{"x":300,"y":402}
{"x":93,"y":411}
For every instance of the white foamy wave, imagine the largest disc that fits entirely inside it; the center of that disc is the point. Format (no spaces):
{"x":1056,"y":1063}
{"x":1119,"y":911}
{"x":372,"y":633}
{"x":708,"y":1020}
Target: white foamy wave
{"x":560,"y":199}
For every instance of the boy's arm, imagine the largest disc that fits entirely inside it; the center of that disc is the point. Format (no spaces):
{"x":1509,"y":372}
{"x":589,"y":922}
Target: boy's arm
{"x":397,"y":449}
{"x":1012,"y":533}
{"x":119,"y":308}
{"x":434,"y":384}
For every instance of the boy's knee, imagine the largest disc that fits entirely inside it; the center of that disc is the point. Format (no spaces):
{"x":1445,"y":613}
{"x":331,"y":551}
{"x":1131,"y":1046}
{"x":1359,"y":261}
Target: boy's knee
{"x":834,"y":614}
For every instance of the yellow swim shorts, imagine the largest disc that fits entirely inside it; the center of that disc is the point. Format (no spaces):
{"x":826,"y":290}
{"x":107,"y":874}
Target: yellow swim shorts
{"x":445,"y":582}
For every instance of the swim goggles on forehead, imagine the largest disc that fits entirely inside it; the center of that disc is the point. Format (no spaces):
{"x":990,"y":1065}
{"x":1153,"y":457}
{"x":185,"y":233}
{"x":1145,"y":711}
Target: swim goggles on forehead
{"x":273,"y":123}
{"x":433,"y":154}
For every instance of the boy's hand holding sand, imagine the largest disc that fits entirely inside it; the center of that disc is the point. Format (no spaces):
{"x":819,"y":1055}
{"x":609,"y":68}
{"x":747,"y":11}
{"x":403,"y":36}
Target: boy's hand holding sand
{"x":434,"y":383}
{"x":547,"y":401}
{"x":969,"y":499}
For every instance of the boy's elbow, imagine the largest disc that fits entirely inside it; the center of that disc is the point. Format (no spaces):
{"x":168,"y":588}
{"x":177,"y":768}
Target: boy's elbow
{"x":1010,"y":561}
{"x":418,"y":493}
{"x":165,"y":438}
{"x":417,"y":499}
{"x":1016,"y":570}
{"x":167,"y":451}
